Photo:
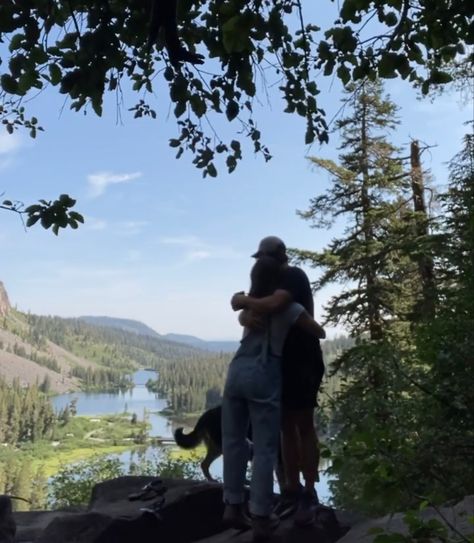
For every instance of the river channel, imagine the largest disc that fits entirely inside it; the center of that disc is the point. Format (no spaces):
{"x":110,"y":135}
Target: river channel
{"x":142,"y":402}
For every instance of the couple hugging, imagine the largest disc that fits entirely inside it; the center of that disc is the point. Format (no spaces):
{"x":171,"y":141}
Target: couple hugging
{"x":271,"y":385}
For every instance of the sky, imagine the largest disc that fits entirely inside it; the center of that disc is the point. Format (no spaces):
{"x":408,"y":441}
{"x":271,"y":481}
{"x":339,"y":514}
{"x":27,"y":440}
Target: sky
{"x":161,"y":244}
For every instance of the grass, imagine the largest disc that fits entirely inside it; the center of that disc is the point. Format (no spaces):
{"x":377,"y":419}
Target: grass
{"x":50,"y":466}
{"x":79,"y":439}
{"x":198,"y":453}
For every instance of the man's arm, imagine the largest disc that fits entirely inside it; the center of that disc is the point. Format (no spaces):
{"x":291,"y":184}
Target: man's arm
{"x":267,"y":305}
{"x":306,"y":322}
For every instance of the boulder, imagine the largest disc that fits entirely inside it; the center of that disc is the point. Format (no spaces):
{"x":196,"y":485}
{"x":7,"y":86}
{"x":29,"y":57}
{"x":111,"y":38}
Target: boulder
{"x":31,"y":524}
{"x":326,"y":529}
{"x":176,"y":511}
{"x":7,"y":522}
{"x":75,"y":528}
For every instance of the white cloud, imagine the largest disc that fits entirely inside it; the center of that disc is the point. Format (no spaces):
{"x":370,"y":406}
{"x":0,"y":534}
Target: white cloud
{"x":132,"y":227}
{"x":9,"y":143}
{"x":91,"y":223}
{"x":197,"y":249}
{"x":198,"y":255}
{"x":181,"y":240}
{"x":99,"y":182}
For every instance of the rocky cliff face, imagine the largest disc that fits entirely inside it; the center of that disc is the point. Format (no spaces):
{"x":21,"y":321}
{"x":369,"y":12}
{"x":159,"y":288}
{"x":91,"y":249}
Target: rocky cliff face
{"x":4,"y":301}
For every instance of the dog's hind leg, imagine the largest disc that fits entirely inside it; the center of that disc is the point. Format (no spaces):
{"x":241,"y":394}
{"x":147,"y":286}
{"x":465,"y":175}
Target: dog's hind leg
{"x":213,"y":452}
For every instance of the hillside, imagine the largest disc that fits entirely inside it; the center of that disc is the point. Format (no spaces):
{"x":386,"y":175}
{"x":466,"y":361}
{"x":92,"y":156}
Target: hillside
{"x":128,"y":325}
{"x":216,"y":346}
{"x":68,"y":354}
{"x":142,"y":329}
{"x":100,"y":353}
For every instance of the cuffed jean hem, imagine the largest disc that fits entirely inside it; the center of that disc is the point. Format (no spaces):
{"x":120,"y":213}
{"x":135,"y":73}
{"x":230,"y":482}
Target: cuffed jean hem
{"x":234,"y":498}
{"x":260,"y":510}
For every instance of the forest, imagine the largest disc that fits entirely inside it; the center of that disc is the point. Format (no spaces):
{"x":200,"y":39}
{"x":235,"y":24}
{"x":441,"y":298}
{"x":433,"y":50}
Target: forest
{"x":192,"y":379}
{"x":404,"y":410}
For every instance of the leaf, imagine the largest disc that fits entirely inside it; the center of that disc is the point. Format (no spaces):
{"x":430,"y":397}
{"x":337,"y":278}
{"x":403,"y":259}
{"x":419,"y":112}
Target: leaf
{"x":33,"y":209}
{"x":96,"y":102}
{"x":391,"y":19}
{"x":211,"y":170}
{"x":32,"y":220}
{"x":440,"y":78}
{"x":55,"y":74}
{"x":198,"y":105}
{"x":344,"y":74}
{"x":387,"y":65}
{"x":66,"y":200}
{"x":235,"y":34}
{"x":9,"y":84}
{"x":309,"y":136}
{"x":232,"y":110}
{"x":179,"y":109}
{"x":168,"y":73}
{"x":235,"y":146}
{"x":76,"y":216}
{"x":16,"y":42}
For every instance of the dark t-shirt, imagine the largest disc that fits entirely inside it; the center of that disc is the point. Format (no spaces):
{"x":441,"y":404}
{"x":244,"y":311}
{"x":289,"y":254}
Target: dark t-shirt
{"x":300,"y":347}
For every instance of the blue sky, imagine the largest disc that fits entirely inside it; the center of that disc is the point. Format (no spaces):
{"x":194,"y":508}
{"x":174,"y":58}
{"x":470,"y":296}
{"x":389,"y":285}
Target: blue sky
{"x":161,"y":244}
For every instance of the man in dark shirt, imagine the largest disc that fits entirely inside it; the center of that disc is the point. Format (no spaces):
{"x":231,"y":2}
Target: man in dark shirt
{"x":302,"y":369}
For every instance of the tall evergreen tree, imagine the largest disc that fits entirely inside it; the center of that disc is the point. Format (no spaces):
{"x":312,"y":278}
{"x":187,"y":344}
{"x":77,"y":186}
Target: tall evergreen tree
{"x":446,"y":342}
{"x":369,"y":191}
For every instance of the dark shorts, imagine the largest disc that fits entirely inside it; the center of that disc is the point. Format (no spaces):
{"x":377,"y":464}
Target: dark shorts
{"x":300,"y":386}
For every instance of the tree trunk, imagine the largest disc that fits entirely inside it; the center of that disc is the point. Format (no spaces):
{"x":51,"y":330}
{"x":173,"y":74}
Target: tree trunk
{"x":425,"y":308}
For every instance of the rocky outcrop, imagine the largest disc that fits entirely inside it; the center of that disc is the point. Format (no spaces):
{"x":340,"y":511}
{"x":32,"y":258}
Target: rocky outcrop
{"x":7,"y":523}
{"x":191,"y":512}
{"x":4,"y":301}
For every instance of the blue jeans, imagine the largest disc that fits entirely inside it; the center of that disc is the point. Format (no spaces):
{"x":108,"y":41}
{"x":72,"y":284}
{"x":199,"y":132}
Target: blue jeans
{"x":251,"y":396}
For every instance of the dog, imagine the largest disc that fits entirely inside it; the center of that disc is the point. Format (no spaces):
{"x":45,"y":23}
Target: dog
{"x":208,"y":429}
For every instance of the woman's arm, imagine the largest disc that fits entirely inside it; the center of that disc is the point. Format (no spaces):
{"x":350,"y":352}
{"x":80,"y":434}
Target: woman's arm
{"x":267,"y":305}
{"x":306,"y":322}
{"x":250,"y":319}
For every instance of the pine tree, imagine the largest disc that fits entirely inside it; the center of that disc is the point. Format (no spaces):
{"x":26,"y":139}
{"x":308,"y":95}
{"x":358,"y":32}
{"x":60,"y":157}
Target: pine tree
{"x":446,"y":342}
{"x":369,"y":191}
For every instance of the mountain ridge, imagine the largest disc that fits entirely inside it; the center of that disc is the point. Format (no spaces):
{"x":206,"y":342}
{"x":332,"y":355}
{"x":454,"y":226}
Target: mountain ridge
{"x":140,"y":328}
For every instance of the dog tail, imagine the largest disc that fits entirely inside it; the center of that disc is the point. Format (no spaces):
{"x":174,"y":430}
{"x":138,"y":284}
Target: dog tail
{"x":187,"y":441}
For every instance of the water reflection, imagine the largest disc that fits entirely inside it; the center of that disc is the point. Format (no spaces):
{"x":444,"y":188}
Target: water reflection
{"x":143,"y":403}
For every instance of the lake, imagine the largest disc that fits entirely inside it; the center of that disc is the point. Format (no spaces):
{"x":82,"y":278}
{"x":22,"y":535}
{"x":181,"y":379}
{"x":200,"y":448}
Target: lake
{"x":142,"y":402}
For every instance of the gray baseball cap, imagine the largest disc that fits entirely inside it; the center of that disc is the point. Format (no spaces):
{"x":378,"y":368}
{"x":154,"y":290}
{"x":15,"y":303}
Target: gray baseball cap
{"x":271,"y":246}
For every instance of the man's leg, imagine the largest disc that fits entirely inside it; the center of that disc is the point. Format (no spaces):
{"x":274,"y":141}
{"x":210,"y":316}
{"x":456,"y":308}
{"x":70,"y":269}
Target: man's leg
{"x":309,"y":447}
{"x":291,"y":450}
{"x":310,"y":462}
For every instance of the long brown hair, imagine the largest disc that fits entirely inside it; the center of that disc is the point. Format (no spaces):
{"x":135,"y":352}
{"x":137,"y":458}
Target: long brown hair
{"x":264,"y":277}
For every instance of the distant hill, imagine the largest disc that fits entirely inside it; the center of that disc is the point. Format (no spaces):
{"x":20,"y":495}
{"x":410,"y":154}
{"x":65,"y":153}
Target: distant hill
{"x":142,"y":329}
{"x":216,"y":346}
{"x":94,"y":353}
{"x":128,"y":325}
